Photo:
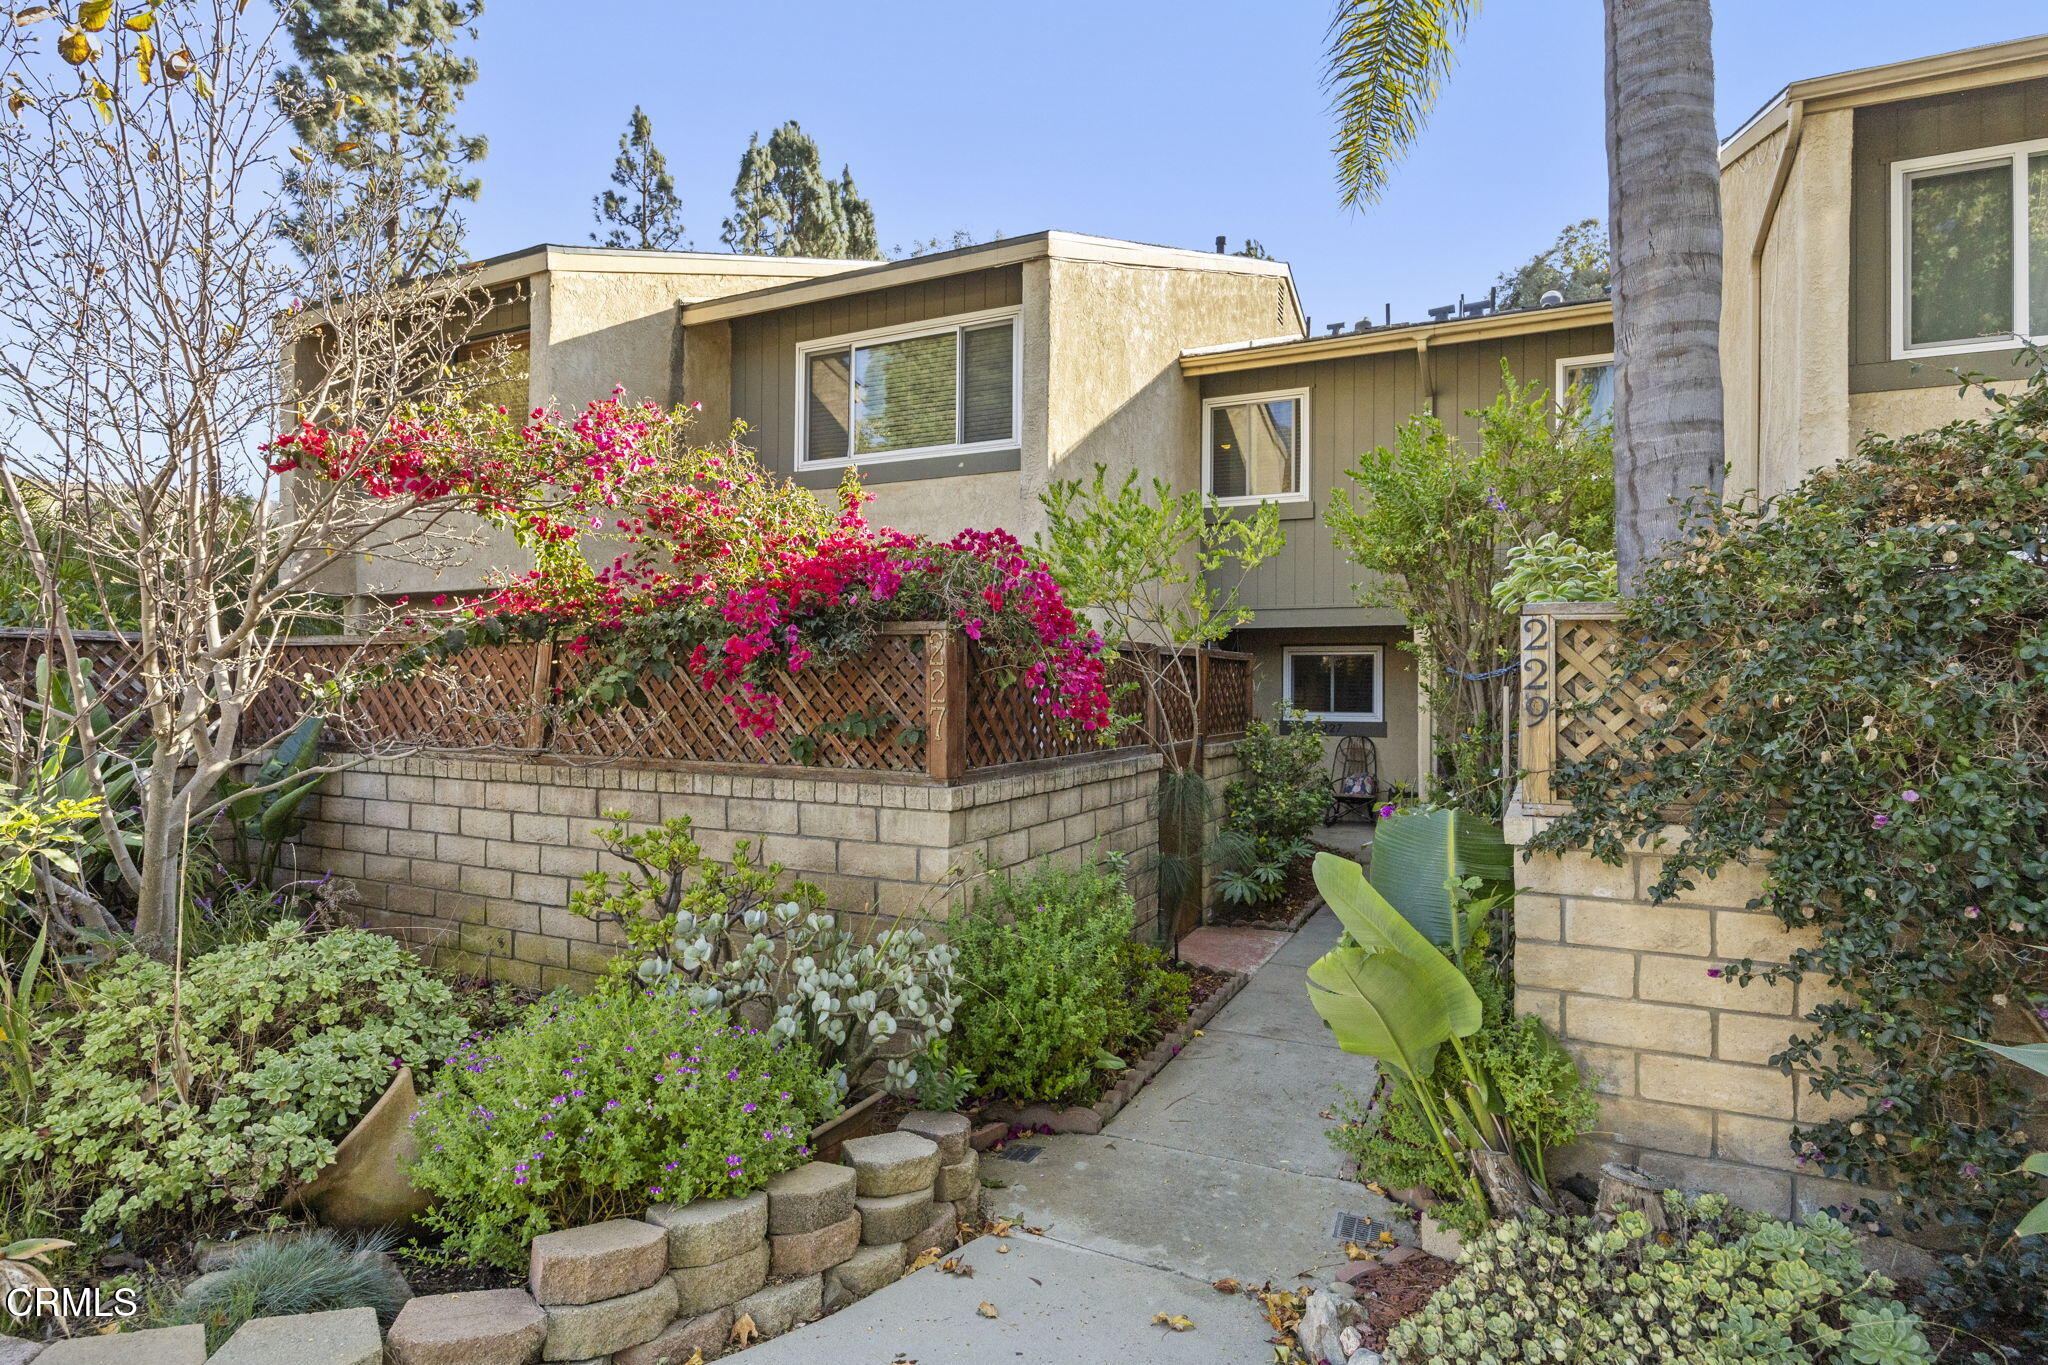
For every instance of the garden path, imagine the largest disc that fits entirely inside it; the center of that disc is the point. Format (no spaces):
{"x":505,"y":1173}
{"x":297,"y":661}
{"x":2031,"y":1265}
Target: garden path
{"x":1218,"y":1169}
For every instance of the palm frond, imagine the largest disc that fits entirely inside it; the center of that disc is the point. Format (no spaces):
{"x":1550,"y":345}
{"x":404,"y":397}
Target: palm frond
{"x":1386,"y":60}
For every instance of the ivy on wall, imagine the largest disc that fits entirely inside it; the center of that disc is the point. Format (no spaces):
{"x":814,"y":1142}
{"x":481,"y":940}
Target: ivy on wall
{"x":1880,"y":636}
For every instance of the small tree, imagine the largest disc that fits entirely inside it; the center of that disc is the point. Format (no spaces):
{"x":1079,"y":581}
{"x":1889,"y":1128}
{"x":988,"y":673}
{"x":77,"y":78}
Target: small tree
{"x":643,"y":211}
{"x":1433,"y":519}
{"x":142,"y":372}
{"x":1161,"y":572}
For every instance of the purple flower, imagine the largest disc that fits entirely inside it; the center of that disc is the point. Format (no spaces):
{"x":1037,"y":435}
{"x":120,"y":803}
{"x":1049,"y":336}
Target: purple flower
{"x":1971,"y":1170}
{"x":1714,"y":972}
{"x":1387,"y":810}
{"x":1909,"y":796}
{"x":1880,"y":820}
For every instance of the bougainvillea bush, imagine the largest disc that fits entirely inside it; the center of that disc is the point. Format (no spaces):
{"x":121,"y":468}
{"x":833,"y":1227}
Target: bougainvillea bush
{"x":723,"y":571}
{"x":1880,"y":635}
{"x":596,"y":1107}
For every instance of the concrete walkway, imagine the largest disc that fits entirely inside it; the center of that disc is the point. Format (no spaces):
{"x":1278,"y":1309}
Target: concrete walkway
{"x":1217,"y":1169}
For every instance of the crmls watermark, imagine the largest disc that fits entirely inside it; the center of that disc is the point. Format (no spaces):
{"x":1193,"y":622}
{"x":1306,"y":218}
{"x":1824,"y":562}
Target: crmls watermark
{"x":25,"y":1302}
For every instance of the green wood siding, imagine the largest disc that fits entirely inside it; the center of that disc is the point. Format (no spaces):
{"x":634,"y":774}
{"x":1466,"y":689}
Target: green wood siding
{"x":1355,"y":404}
{"x":764,"y":357}
{"x":1888,"y":133}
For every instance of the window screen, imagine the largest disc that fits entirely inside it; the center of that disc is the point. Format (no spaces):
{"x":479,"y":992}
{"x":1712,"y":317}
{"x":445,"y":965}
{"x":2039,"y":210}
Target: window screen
{"x":1961,"y":286}
{"x":948,"y":387}
{"x":1254,"y":448}
{"x":1335,"y":684}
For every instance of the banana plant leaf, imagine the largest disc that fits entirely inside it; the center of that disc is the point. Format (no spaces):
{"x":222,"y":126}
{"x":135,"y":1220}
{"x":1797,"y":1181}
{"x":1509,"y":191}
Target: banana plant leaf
{"x":1385,"y":1006}
{"x":2036,"y":1221}
{"x":1413,"y":856}
{"x":1378,"y":927}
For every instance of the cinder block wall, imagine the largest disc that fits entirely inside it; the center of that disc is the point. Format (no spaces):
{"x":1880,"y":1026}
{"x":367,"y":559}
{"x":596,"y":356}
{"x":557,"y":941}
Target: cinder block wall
{"x":472,"y":860}
{"x":1679,"y":1056}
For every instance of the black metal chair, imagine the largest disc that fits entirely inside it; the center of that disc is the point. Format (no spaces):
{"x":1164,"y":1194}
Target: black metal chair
{"x":1355,"y":790}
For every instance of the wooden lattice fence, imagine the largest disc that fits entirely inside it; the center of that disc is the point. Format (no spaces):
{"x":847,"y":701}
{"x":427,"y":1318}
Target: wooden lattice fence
{"x":922,"y":700}
{"x":1574,"y":705}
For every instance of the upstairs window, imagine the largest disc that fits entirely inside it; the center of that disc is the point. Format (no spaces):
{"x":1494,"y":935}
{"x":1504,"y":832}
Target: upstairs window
{"x":1336,"y":683}
{"x":911,"y":391}
{"x":1593,"y":376}
{"x":1970,"y":250}
{"x":1255,"y":447}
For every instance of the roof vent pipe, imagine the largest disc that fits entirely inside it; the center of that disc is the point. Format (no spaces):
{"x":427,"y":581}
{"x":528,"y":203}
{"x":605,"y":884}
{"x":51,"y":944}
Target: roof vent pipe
{"x":1221,"y":242}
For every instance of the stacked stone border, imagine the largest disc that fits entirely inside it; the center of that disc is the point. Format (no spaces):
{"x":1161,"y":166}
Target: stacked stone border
{"x":997,"y":1121}
{"x":705,"y":1277}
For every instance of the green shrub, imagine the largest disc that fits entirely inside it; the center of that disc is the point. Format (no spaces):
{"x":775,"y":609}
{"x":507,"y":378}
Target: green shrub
{"x":1720,"y":1285}
{"x":314,"y":1272}
{"x":1052,"y":985}
{"x":281,"y":1046}
{"x":595,"y":1107}
{"x":1269,"y":811}
{"x":1534,"y":1079}
{"x":729,"y":935}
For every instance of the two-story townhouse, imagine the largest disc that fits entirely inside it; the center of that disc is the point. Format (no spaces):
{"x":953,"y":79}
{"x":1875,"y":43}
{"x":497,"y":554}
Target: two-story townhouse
{"x":1884,"y":227}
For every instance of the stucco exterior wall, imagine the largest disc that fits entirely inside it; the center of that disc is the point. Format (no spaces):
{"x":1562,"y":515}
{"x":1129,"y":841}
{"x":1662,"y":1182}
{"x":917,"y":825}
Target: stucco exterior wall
{"x":472,"y":861}
{"x":1680,"y":1058}
{"x":1805,"y":309}
{"x":1114,"y":392}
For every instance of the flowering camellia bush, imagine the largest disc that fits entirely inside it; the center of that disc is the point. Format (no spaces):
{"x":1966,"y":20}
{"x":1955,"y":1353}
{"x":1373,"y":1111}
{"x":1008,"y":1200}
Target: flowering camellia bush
{"x":726,"y":571}
{"x":593,"y":1108}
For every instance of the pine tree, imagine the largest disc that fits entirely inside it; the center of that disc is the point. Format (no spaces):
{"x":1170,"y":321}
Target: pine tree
{"x":376,"y":89}
{"x":785,"y":205}
{"x":647,"y":215}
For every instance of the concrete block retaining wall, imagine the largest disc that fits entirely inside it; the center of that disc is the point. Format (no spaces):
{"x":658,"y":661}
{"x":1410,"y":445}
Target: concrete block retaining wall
{"x":1680,"y":1057}
{"x":472,"y":860}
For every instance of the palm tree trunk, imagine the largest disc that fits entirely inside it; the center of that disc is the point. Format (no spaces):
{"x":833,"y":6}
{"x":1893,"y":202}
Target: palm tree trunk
{"x":1664,"y":210}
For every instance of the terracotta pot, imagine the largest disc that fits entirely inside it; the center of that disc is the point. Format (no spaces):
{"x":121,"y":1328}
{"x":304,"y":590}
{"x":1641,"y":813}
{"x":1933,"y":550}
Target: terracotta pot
{"x":366,"y":1185}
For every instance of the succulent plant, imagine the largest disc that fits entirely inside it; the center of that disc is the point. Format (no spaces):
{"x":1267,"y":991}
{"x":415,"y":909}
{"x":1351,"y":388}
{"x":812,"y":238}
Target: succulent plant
{"x":1719,"y":1284}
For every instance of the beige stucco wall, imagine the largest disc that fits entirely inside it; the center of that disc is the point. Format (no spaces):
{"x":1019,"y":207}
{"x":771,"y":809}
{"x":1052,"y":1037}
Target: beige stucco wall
{"x":1805,"y":309}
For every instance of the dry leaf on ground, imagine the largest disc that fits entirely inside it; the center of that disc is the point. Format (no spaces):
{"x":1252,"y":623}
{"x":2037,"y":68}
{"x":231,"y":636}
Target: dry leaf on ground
{"x":987,"y":1309}
{"x":744,"y":1332}
{"x":954,"y":1267}
{"x":1226,"y":1286}
{"x":1179,"y":1322}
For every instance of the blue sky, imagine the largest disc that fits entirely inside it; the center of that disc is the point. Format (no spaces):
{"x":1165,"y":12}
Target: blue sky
{"x":1160,"y":122}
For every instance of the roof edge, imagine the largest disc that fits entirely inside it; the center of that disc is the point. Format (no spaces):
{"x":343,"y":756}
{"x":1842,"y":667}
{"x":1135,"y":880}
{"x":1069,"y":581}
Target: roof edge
{"x":1252,"y":355}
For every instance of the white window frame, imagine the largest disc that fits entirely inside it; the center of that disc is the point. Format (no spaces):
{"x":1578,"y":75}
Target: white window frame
{"x":1379,"y":680}
{"x":1558,"y":387}
{"x":1301,"y":446}
{"x":956,"y":324}
{"x":1903,"y":175}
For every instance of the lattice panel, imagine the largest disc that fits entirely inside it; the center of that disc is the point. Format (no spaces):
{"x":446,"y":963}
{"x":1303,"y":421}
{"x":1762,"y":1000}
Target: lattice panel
{"x":1007,"y":725}
{"x":114,"y":678}
{"x":1574,"y":708}
{"x":684,"y":722}
{"x":1227,"y":701}
{"x":479,"y":699}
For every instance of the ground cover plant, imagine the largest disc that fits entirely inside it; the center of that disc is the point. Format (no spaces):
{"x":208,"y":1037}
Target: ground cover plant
{"x":1715,"y":1284}
{"x":1884,"y":631}
{"x":1053,"y":989}
{"x":169,"y":1099}
{"x":315,"y":1271}
{"x":595,"y":1107}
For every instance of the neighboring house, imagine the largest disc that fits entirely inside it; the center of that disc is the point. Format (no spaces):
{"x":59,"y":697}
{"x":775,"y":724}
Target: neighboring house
{"x":1900,"y":216}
